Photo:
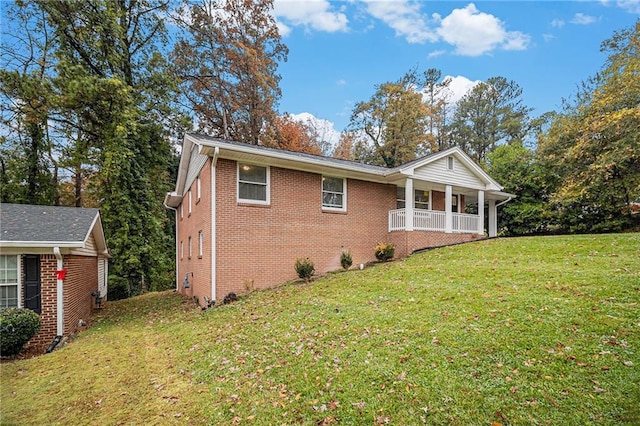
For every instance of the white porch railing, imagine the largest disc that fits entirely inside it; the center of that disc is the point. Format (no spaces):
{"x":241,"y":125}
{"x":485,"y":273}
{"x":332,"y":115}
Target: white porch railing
{"x":433,"y":220}
{"x":463,"y":222}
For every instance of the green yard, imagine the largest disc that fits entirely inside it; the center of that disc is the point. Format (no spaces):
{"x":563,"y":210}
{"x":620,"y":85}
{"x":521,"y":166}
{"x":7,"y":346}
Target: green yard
{"x":542,"y":330}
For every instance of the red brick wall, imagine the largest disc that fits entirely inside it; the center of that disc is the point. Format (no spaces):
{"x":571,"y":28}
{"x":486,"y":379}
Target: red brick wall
{"x":81,"y":279}
{"x":260,"y":244}
{"x":48,"y":282}
{"x":257,"y":245}
{"x":189,"y":226}
{"x":80,"y":282}
{"x":407,"y":242}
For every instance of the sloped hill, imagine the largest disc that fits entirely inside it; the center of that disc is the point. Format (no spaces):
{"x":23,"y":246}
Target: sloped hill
{"x":542,"y":330}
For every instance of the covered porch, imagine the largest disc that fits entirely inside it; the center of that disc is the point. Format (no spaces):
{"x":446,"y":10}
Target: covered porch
{"x":425,"y":206}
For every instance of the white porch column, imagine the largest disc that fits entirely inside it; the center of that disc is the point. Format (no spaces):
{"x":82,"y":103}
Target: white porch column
{"x":493,"y":219}
{"x":448,"y":216}
{"x":480,"y":212}
{"x":408,"y":204}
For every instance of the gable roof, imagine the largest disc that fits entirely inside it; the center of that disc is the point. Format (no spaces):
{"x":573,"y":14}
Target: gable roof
{"x":195,"y":144}
{"x":26,"y":225}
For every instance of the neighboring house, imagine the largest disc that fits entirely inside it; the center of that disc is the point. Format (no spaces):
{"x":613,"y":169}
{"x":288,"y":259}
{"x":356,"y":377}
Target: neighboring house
{"x":53,"y":260}
{"x":245,"y":213}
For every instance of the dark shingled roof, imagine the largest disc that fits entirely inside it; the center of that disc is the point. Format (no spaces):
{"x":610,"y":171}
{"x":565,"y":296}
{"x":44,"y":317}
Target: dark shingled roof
{"x":24,"y":222}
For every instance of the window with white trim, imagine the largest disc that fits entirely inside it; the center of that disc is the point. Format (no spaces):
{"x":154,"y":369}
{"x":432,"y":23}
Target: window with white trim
{"x":190,"y":247}
{"x":190,"y":201}
{"x":421,"y":200}
{"x":450,"y":162}
{"x":253,"y":184}
{"x":198,"y":189}
{"x":200,"y":243}
{"x":334,"y":191}
{"x":181,"y":250}
{"x":9,"y":281}
{"x":181,"y":210}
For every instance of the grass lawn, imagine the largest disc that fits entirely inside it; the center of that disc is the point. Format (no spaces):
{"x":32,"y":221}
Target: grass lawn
{"x":542,"y":330}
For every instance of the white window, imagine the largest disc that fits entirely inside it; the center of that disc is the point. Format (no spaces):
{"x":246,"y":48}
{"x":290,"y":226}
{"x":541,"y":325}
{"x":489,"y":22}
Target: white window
{"x":200,"y":243}
{"x":334,"y":193}
{"x":450,"y":163}
{"x":421,"y":200}
{"x":198,"y":189}
{"x":181,"y":250}
{"x":9,"y":281}
{"x":253,"y":184}
{"x":181,"y":210}
{"x":190,"y":200}
{"x":190,"y":248}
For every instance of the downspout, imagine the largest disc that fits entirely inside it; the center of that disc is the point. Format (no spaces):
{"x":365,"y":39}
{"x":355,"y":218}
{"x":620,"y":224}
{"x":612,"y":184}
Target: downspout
{"x":60,"y":303}
{"x":214,"y":163}
{"x":504,"y":202}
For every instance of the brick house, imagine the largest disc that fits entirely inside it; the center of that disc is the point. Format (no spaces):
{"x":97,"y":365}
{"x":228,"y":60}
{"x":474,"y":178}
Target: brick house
{"x":54,"y":261}
{"x":245,"y":213}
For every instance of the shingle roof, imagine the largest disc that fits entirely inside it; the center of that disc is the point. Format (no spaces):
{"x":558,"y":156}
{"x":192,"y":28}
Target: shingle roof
{"x":25,"y":223}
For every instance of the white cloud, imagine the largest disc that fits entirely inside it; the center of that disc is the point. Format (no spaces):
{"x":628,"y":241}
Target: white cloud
{"x":459,"y":86}
{"x":582,"y":19}
{"x":548,"y":37}
{"x":557,"y":23}
{"x":474,"y":33}
{"x":436,"y":53}
{"x":631,"y":6}
{"x":316,"y":14}
{"x":404,"y":17}
{"x":325,"y":128}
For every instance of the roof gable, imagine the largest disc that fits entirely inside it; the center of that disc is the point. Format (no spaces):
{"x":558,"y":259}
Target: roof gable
{"x":465,"y":172}
{"x":50,"y":226}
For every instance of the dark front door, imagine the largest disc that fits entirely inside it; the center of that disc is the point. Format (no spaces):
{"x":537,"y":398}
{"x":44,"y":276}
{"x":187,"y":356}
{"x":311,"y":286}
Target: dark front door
{"x":32,"y":298}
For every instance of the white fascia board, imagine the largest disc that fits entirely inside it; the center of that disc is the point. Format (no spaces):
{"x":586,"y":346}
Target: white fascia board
{"x":98,"y":235}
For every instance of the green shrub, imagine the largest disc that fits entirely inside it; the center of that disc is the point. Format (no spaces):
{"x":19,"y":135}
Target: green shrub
{"x":304,"y":268}
{"x":384,"y":251}
{"x":345,"y":260}
{"x":17,"y":326}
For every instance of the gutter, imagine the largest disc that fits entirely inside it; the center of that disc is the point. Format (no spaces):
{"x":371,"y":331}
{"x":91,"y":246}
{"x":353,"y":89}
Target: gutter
{"x":60,"y":303}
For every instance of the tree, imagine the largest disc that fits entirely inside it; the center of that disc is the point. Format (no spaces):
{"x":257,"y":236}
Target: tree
{"x":489,"y":114}
{"x":592,"y":147}
{"x":28,"y":168}
{"x":394,"y":121}
{"x":292,"y":135}
{"x":436,"y":96}
{"x":344,"y":148}
{"x":227,"y":60}
{"x":114,"y":113}
{"x":515,"y":167}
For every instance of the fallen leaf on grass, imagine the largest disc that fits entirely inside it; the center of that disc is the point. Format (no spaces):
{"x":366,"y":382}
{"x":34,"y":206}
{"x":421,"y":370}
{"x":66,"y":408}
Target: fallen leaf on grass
{"x":627,"y":363}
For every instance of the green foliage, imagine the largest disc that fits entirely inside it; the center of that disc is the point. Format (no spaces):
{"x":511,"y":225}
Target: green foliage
{"x":515,"y":167}
{"x":304,"y":268}
{"x":345,"y":259}
{"x":489,"y":114}
{"x":591,"y":150}
{"x":17,"y":327}
{"x":384,"y":251}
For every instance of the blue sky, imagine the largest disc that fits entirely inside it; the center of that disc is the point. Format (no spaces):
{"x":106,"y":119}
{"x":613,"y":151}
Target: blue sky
{"x":340,"y":50}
